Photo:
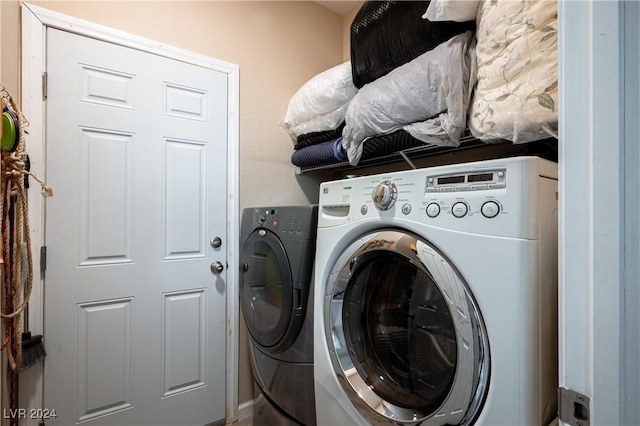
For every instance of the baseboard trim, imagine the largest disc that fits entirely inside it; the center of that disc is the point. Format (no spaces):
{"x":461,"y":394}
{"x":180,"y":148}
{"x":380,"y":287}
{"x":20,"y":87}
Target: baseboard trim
{"x":245,"y":410}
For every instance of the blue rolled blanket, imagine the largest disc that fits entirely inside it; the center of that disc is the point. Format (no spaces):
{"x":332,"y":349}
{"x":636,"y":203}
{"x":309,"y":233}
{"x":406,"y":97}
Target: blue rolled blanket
{"x":323,"y":153}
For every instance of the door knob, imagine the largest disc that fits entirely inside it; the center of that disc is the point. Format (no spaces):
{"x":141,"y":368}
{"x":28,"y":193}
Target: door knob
{"x":216,"y":267}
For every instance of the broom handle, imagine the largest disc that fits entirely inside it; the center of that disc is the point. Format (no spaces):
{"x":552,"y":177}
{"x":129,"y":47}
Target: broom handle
{"x":24,"y":252}
{"x":23,"y":249}
{"x":23,"y":277}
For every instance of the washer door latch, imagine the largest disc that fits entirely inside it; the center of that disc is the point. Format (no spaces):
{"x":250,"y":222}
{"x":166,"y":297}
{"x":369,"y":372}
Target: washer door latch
{"x":574,"y":407}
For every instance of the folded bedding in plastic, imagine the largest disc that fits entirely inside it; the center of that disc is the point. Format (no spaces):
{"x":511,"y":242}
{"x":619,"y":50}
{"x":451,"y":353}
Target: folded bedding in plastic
{"x":387,"y":34}
{"x":427,"y":97}
{"x":516,"y":94}
{"x":318,"y":137}
{"x":320,"y":104}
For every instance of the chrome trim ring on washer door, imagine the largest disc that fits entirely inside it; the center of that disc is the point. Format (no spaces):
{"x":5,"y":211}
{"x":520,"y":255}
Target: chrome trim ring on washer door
{"x":406,"y":340}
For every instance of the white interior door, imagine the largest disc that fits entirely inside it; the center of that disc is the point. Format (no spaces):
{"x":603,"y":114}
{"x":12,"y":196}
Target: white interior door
{"x":136,"y":153}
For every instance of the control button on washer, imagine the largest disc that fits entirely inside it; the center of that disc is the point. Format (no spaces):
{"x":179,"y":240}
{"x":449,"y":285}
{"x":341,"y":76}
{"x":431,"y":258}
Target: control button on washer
{"x":459,"y":209}
{"x":490,"y":209}
{"x":433,"y":210}
{"x":364,"y":209}
{"x":406,"y":208}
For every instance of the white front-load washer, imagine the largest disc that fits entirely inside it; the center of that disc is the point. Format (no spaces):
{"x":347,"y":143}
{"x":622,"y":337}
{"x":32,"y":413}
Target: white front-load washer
{"x":436,"y":296}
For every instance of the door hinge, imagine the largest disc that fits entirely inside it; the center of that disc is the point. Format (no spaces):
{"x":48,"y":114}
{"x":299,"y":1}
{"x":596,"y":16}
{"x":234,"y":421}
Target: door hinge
{"x":45,"y":80}
{"x":43,"y":259}
{"x":574,"y":407}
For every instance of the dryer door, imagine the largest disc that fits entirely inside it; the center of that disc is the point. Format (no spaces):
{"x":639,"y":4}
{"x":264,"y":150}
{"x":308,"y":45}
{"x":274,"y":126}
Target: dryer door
{"x":408,"y":342}
{"x":271,"y":305}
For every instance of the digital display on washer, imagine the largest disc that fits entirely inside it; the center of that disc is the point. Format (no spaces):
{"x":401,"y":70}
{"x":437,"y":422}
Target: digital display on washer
{"x":482,"y":177}
{"x":450,"y":179}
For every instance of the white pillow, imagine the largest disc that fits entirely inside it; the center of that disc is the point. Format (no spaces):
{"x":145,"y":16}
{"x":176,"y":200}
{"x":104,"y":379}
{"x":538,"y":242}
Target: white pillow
{"x":452,"y":10}
{"x":321,"y":103}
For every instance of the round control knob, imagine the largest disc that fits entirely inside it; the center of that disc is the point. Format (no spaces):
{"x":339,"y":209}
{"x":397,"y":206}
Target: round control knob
{"x":384,"y":195}
{"x":433,"y":210}
{"x":490,"y":209}
{"x":459,"y":209}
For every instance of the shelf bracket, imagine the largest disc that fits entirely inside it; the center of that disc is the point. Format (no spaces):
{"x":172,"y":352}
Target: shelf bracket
{"x":407,"y":159}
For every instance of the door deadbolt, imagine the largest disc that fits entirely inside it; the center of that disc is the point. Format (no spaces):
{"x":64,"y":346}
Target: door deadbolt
{"x":216,"y":267}
{"x":216,"y":242}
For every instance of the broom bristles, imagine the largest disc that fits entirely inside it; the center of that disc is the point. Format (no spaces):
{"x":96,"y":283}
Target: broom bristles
{"x":32,"y":350}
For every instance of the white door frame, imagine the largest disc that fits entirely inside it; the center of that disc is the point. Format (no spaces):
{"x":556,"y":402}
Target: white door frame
{"x":35,"y":20}
{"x":599,"y":206}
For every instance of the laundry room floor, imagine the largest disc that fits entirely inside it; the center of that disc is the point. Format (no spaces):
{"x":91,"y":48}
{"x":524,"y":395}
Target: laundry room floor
{"x":244,"y":422}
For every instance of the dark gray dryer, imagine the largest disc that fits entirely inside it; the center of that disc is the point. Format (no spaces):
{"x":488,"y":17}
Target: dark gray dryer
{"x":276,"y":278}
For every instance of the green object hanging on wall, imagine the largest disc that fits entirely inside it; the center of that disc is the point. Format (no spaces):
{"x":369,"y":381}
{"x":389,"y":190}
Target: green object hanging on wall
{"x":10,"y":128}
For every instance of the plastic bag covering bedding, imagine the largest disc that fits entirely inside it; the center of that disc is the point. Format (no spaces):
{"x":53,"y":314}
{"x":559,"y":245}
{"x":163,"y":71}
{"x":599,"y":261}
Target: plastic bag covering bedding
{"x":427,"y":97}
{"x":452,"y":10}
{"x":516,"y":97}
{"x":321,"y":103}
{"x":388,"y":34}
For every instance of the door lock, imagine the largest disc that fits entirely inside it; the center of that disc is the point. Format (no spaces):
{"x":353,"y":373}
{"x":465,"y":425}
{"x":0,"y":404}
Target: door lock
{"x":216,"y":267}
{"x":216,"y":242}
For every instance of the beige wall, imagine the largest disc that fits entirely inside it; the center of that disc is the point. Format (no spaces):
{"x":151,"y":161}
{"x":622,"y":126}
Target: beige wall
{"x":9,"y":49}
{"x":278,"y":47}
{"x":346,"y":31}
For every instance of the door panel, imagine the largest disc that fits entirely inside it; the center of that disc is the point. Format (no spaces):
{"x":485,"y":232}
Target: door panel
{"x":185,"y":211}
{"x":103,"y":385}
{"x":134,"y":317}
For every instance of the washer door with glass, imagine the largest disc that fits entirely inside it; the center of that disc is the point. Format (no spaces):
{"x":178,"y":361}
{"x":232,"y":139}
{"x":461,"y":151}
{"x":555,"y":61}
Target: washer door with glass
{"x":270,"y":304}
{"x":406,"y":339}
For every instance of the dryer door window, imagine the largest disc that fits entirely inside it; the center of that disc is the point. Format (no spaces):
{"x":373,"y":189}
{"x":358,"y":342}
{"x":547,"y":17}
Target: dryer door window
{"x":267,"y":296}
{"x":406,"y":334}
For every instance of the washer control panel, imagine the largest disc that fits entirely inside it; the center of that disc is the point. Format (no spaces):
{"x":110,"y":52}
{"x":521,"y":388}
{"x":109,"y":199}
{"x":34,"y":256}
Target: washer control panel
{"x":291,"y":220}
{"x":433,"y":196}
{"x":497,"y":197}
{"x":472,"y":181}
